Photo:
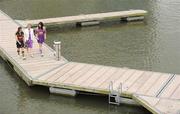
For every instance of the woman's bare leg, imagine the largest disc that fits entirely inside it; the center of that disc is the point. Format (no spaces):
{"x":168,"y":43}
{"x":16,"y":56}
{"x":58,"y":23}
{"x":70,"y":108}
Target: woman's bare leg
{"x":40,"y":49}
{"x":18,"y":51}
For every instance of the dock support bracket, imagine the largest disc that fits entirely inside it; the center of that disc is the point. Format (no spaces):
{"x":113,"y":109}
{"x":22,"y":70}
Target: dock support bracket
{"x":130,"y":19}
{"x":88,"y":23}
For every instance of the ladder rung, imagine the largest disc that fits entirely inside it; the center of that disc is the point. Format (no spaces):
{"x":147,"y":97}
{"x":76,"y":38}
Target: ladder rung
{"x":115,"y":95}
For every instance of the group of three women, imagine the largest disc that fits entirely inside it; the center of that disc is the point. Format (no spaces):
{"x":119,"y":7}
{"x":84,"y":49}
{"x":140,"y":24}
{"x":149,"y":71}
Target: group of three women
{"x":24,"y":39}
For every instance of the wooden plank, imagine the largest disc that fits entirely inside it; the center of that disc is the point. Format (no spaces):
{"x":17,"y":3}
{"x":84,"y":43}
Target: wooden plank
{"x":95,"y":76}
{"x":140,"y":82}
{"x":27,"y":62}
{"x":136,"y":76}
{"x":39,"y":63}
{"x":87,"y":75}
{"x":41,"y":70}
{"x":35,"y":60}
{"x":158,"y":105}
{"x":41,"y":66}
{"x":168,"y":106}
{"x":149,"y":83}
{"x":104,"y":77}
{"x":114,"y":77}
{"x":176,"y":93}
{"x":169,"y":91}
{"x":78,"y":74}
{"x":62,"y":70}
{"x":157,"y":86}
{"x":69,"y":73}
{"x":48,"y":73}
{"x":123,"y":79}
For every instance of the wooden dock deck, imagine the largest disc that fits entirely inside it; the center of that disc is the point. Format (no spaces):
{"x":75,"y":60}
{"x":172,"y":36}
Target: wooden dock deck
{"x":154,"y":90}
{"x":32,"y":67}
{"x":96,"y":78}
{"x":88,"y":18}
{"x":159,"y":105}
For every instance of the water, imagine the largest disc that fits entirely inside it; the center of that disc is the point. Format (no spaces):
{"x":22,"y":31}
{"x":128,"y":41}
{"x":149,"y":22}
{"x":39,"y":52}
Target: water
{"x":149,"y":45}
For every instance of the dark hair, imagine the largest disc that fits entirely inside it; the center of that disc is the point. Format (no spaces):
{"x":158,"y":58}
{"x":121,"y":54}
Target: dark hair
{"x":42,"y":25}
{"x":18,"y":30}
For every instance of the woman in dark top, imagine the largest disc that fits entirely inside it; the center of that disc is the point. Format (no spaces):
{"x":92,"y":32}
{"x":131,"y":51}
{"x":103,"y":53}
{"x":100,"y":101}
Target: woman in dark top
{"x":20,"y":41}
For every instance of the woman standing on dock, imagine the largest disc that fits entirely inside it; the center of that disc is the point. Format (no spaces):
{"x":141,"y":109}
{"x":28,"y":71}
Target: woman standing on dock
{"x":29,"y":36}
{"x":41,"y":36}
{"x":20,"y":42}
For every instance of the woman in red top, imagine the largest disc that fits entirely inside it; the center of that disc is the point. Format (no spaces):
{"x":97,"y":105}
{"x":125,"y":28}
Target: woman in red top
{"x":20,"y":41}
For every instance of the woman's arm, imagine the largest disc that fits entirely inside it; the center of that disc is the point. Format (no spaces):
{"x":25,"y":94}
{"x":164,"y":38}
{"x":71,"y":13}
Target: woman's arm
{"x":17,"y":39}
{"x":25,"y":34}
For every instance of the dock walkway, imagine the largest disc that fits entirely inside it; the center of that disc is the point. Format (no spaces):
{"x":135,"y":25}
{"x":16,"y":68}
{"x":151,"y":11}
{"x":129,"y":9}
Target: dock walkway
{"x":158,"y":92}
{"x":31,"y":67}
{"x":89,"y":18}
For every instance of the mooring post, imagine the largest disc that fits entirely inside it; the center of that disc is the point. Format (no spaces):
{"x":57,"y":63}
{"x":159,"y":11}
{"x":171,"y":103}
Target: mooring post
{"x":57,"y":48}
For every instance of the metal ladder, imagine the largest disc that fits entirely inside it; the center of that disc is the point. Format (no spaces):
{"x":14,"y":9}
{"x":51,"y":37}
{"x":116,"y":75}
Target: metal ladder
{"x":114,"y":96}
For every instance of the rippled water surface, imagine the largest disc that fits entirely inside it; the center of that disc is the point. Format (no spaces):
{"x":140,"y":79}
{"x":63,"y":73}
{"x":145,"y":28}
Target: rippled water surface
{"x":149,"y":45}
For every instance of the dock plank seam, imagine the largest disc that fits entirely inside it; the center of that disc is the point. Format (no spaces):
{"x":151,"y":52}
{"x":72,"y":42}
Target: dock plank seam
{"x":147,"y":90}
{"x":81,"y":73}
{"x":174,"y":91}
{"x":66,"y":71}
{"x":98,"y":77}
{"x":100,"y":67}
{"x":135,"y":80}
{"x":165,"y":85}
{"x":76,"y":72}
{"x":117,"y":76}
{"x":77,"y":68}
{"x":108,"y":77}
{"x":84,"y":77}
{"x":51,"y":70}
{"x":124,"y":75}
{"x":143,"y":83}
{"x":59,"y":70}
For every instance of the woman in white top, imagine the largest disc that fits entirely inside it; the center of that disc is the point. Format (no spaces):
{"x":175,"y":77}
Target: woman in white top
{"x":29,"y":37}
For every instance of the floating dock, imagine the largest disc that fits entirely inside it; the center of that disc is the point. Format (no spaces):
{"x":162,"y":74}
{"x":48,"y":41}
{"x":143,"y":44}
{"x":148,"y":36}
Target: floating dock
{"x":90,"y":19}
{"x":158,"y":92}
{"x":159,"y":105}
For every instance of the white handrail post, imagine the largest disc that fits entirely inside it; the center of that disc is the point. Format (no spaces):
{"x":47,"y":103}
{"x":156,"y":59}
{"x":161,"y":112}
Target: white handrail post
{"x":57,"y":48}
